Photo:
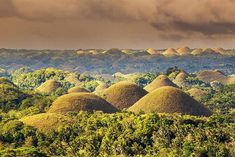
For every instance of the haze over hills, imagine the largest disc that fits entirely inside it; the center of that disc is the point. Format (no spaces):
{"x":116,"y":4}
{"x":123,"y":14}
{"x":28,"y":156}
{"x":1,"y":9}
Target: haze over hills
{"x":127,"y":61}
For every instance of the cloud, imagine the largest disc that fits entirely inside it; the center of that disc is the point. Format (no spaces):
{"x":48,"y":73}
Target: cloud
{"x":6,"y":8}
{"x":171,"y":19}
{"x":208,"y":17}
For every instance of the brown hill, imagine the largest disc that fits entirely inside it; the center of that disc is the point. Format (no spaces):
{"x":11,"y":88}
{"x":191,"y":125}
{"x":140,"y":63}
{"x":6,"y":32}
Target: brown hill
{"x":169,"y":100}
{"x":197,"y":93}
{"x":215,"y":76}
{"x":141,"y":53}
{"x":206,"y":51}
{"x":184,"y":51}
{"x":197,"y":51}
{"x":181,"y":79}
{"x":152,"y":51}
{"x":230,"y":80}
{"x":77,"y":89}
{"x":170,"y":52}
{"x":219,"y":50}
{"x":87,"y":52}
{"x":49,"y":86}
{"x":100,"y":88}
{"x":73,"y":78}
{"x":123,"y":94}
{"x":45,"y":122}
{"x":113,"y":51}
{"x":76,"y":102}
{"x":126,"y":51}
{"x":160,"y":81}
{"x":212,"y":75}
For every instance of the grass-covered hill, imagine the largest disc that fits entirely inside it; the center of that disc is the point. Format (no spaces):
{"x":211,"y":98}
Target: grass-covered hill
{"x":169,"y":100}
{"x":46,"y":122}
{"x":160,"y":81}
{"x":77,"y":89}
{"x":215,"y":75}
{"x":197,"y":93}
{"x":49,"y":86}
{"x":123,"y":94}
{"x":76,"y":102}
{"x":164,"y":122}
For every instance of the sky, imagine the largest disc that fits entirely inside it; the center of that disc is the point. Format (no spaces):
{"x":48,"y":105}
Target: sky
{"x":138,"y":24}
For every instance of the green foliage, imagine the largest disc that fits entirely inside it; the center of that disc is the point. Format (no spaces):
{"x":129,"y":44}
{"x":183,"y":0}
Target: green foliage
{"x":39,"y":101}
{"x":23,"y":70}
{"x":126,"y":134}
{"x":31,"y":80}
{"x":24,"y":151}
{"x":84,"y":77}
{"x":117,"y":134}
{"x":194,"y":81}
{"x":223,"y":100}
{"x":145,"y":79}
{"x":148,"y":135}
{"x":90,"y":85}
{"x":173,"y":69}
{"x":10,"y":97}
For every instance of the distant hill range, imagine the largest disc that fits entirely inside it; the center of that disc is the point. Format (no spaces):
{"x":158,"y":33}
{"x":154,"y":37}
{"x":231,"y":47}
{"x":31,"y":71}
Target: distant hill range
{"x":124,"y":60}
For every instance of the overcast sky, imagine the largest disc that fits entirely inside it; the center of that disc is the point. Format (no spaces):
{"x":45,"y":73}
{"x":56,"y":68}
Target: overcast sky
{"x":65,"y":24}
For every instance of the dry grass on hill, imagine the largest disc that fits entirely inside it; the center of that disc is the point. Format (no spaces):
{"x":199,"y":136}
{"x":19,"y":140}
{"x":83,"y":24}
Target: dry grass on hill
{"x":124,"y":94}
{"x":197,"y":93}
{"x":76,"y":102}
{"x":160,"y":81}
{"x":77,"y":89}
{"x":45,"y":122}
{"x":180,"y":79}
{"x":48,"y":87}
{"x":170,"y":52}
{"x":169,"y":100}
{"x":184,"y":51}
{"x":215,"y":75}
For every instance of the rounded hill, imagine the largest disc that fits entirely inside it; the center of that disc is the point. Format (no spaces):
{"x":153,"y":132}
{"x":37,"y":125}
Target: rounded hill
{"x":49,"y":86}
{"x":197,"y":93}
{"x":184,"y":51}
{"x":160,"y":81}
{"x":100,"y":88}
{"x":206,"y":51}
{"x":211,"y":75}
{"x":77,"y":89}
{"x":181,"y":79}
{"x":169,"y":100}
{"x":45,"y":122}
{"x":152,"y":51}
{"x":170,"y":52}
{"x":219,"y":50}
{"x":113,"y":51}
{"x":197,"y":51}
{"x":76,"y":102}
{"x":73,"y":79}
{"x":123,"y":94}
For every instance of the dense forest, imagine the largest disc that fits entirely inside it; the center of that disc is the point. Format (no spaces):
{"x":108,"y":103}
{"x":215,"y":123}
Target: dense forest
{"x":30,"y":127}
